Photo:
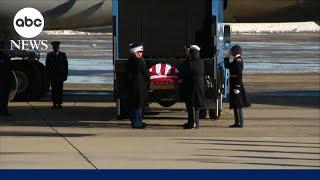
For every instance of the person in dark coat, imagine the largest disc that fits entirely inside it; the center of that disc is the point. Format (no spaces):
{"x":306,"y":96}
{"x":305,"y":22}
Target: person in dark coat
{"x":138,"y":76}
{"x":5,"y":72}
{"x":238,"y":96}
{"x":57,"y":71}
{"x":193,"y":85}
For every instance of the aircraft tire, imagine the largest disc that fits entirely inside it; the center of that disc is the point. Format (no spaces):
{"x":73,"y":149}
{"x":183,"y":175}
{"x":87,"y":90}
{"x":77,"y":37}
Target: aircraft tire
{"x":13,"y":86}
{"x":167,"y":103}
{"x":45,"y":82}
{"x":29,"y":80}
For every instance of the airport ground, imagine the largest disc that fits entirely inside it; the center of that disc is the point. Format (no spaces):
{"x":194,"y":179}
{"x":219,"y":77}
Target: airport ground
{"x":282,"y":127}
{"x":282,"y":130}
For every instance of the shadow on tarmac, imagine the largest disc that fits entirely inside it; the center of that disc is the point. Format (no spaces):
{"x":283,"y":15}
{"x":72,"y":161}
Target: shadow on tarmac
{"x":306,"y":98}
{"x":251,"y":141}
{"x":84,"y":96}
{"x":92,"y":116}
{"x":84,"y":117}
{"x":232,"y":162}
{"x":251,"y":156}
{"x":40,"y":134}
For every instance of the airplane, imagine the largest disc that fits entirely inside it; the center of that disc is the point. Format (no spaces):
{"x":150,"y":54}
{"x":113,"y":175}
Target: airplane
{"x":75,"y":14}
{"x":72,"y":14}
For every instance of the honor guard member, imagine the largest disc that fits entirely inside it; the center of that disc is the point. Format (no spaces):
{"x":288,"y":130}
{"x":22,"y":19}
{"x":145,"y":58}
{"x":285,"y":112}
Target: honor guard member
{"x":5,"y":72}
{"x":57,"y":71}
{"x":237,"y":95}
{"x":193,"y":85}
{"x":138,"y":76}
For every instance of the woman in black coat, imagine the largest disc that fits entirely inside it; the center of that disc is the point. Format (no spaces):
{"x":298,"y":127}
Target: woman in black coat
{"x":138,"y":77}
{"x":193,"y":86}
{"x":238,"y":96}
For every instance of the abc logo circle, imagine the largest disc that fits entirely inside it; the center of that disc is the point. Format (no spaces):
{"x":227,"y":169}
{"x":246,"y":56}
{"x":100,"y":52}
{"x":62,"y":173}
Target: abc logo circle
{"x":28,"y":22}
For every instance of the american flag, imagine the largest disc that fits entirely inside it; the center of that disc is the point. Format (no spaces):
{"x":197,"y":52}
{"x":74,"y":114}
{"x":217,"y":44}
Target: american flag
{"x":163,"y":76}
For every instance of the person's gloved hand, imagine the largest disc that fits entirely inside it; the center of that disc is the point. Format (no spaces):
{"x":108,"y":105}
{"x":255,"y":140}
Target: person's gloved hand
{"x":236,"y":91}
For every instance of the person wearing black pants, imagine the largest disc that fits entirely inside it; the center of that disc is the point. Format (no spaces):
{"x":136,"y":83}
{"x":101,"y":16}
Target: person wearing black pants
{"x":57,"y":71}
{"x":5,"y":71}
{"x":193,"y":85}
{"x":57,"y":93}
{"x":237,"y":95}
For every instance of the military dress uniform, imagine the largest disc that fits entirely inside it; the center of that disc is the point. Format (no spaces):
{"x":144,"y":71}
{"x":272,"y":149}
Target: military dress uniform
{"x":138,"y":76}
{"x":5,"y":71}
{"x":57,"y":72}
{"x":237,"y":95}
{"x":193,"y":87}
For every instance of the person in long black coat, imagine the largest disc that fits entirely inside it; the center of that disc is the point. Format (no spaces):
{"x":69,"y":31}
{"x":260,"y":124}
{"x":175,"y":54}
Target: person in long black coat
{"x":57,"y":72}
{"x":193,"y":86}
{"x":138,"y":76}
{"x":237,"y":95}
{"x":5,"y":72}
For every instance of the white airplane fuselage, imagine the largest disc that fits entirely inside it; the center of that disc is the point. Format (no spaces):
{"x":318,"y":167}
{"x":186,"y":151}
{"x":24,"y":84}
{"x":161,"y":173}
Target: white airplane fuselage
{"x":73,"y":14}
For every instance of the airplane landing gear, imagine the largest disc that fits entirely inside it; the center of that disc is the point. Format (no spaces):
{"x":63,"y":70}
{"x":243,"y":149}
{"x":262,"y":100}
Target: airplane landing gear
{"x":30,"y":76}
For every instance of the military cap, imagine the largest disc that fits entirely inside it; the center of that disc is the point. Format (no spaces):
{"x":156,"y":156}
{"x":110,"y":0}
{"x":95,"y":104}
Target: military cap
{"x":236,"y":49}
{"x":54,"y":43}
{"x":195,"y":47}
{"x":135,"y":47}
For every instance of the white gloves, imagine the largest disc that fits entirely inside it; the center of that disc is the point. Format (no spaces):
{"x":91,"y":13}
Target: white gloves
{"x":236,"y":91}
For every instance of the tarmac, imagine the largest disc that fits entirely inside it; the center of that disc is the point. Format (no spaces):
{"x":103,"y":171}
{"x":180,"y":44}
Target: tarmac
{"x":282,"y":131}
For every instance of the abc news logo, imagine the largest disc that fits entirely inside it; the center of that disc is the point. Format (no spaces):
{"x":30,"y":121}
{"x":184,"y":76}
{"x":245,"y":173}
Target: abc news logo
{"x":28,"y":23}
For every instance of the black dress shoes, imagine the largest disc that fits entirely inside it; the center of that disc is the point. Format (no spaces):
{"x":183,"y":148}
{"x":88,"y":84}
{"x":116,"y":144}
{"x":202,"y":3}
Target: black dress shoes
{"x":236,"y":126}
{"x":144,"y":125}
{"x":188,"y":126}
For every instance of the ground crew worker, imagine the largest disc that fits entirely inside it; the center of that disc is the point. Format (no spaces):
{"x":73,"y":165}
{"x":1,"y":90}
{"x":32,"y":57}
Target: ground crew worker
{"x":138,"y":76}
{"x":193,"y":85}
{"x":5,"y":72}
{"x":238,"y":97}
{"x":57,"y":71}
